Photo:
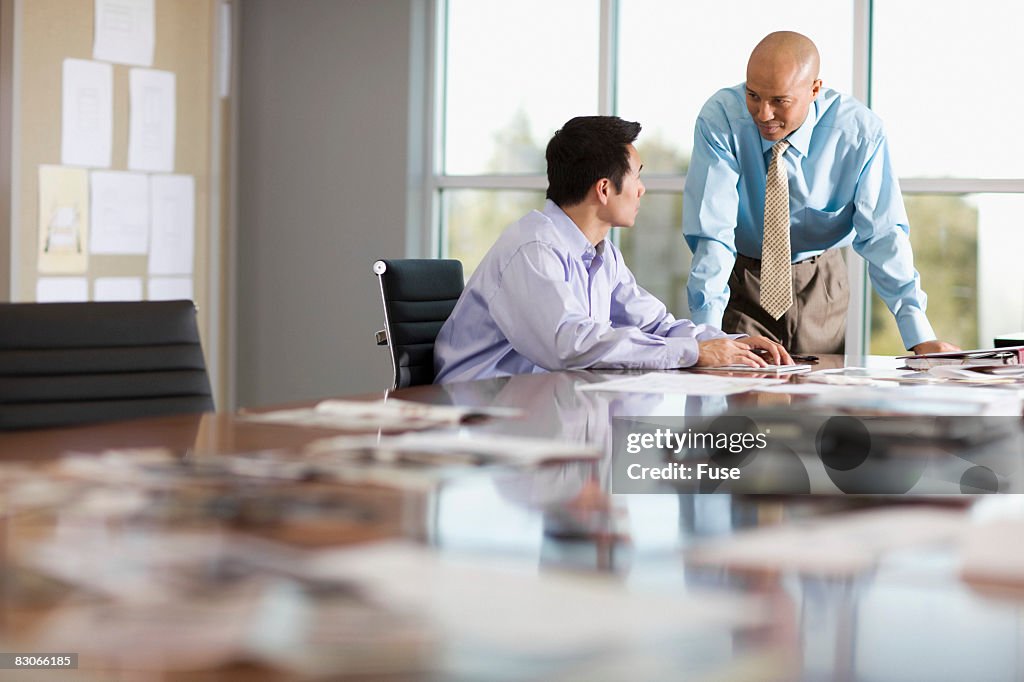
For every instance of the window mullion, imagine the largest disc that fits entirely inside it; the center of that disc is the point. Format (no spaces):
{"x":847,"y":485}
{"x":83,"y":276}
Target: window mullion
{"x":858,"y":326}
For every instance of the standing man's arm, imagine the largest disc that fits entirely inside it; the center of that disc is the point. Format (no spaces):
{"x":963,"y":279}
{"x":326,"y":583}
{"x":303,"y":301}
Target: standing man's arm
{"x":883,"y":239}
{"x":710,"y":209}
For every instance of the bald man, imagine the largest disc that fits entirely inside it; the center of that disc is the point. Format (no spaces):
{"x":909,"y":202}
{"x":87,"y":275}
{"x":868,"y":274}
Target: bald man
{"x":831,"y":165}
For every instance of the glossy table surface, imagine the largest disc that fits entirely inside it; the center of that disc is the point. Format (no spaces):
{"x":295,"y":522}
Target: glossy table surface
{"x":909,"y":617}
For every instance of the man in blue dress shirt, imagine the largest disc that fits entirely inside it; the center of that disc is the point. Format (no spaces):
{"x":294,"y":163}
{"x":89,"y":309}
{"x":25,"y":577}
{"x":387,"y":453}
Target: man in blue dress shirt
{"x":553,"y":293}
{"x":841,"y":190}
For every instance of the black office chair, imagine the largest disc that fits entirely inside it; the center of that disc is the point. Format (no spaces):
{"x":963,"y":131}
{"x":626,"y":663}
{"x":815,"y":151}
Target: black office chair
{"x":76,"y":363}
{"x":418,"y":296}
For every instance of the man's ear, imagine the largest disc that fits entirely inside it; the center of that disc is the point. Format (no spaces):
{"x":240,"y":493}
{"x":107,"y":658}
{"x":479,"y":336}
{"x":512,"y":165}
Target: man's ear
{"x":603,"y":187}
{"x":815,"y":89}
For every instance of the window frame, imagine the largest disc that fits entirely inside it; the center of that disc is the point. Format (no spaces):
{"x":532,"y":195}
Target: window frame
{"x":435,"y":181}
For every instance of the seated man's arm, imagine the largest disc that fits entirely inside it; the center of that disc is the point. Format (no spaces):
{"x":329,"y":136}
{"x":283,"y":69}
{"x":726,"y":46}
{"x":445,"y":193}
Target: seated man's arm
{"x":634,"y":306}
{"x":538,"y":312}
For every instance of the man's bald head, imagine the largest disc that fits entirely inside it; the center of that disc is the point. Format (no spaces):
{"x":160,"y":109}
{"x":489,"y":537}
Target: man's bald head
{"x":785,"y":53}
{"x":782,"y":81}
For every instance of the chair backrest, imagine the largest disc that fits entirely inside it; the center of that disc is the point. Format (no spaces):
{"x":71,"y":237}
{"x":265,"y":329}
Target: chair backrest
{"x":77,"y":363}
{"x":418,"y":296}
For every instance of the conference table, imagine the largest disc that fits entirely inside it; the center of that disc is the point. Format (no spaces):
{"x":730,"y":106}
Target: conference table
{"x":116,"y":561}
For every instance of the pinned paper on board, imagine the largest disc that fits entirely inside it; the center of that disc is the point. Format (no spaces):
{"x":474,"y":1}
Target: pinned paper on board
{"x":125,"y":31}
{"x":63,"y":219}
{"x":151,"y":120}
{"x":87,"y":113}
{"x":172,"y":243}
{"x":120,"y":212}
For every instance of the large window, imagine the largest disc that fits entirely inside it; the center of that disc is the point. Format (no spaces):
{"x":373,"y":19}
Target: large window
{"x":946,"y":90}
{"x":511,"y":73}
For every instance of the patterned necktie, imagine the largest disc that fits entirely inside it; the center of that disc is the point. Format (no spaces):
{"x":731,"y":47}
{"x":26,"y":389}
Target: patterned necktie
{"x":776,"y":270}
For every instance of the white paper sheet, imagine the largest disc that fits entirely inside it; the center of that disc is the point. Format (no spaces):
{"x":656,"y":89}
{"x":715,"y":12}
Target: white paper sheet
{"x":124,"y":31}
{"x":87,"y":113}
{"x":170,"y":289}
{"x":117,"y":289}
{"x":151,"y":120}
{"x":392,"y":415}
{"x":120,"y":212}
{"x":680,"y":382}
{"x":840,"y":544}
{"x":929,"y":399}
{"x":61,"y":289}
{"x":554,"y":615}
{"x":804,"y":389}
{"x":172,"y":207}
{"x":479,"y":449}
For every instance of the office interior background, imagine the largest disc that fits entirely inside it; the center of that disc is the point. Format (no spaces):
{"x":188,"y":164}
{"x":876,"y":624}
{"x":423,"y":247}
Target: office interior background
{"x":415,"y":128}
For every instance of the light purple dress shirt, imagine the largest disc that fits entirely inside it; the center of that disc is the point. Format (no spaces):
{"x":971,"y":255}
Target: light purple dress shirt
{"x":544,"y":298}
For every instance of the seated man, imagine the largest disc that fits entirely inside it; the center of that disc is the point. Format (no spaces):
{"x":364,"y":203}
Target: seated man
{"x":553,"y":293}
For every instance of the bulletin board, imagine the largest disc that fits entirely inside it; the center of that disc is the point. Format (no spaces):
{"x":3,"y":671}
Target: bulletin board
{"x":47,"y":32}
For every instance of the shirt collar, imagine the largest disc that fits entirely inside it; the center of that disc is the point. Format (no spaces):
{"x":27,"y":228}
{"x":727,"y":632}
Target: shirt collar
{"x":800,"y":139}
{"x":569,"y":232}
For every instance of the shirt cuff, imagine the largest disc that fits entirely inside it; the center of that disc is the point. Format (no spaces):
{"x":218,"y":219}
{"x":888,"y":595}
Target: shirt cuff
{"x":914,"y":328}
{"x":680,"y":352}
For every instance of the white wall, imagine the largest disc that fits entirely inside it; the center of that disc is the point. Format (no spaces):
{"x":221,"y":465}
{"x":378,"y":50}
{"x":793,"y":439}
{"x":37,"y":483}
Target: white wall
{"x":322,"y":191}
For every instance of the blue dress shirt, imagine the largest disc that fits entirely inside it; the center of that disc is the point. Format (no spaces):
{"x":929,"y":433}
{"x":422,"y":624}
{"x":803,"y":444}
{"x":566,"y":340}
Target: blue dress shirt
{"x":842,"y":190}
{"x":545,"y":298}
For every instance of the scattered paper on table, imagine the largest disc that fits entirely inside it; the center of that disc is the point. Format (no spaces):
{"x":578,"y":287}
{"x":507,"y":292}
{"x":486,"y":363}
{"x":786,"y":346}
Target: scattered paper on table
{"x":810,"y":388}
{"x":63,"y":219}
{"x":120,"y":213}
{"x":931,"y":399}
{"x":124,"y":31}
{"x":371,"y":415}
{"x":680,"y":382}
{"x":151,"y":120}
{"x":454,"y":448}
{"x":993,"y":554}
{"x":62,"y":290}
{"x":172,"y":207}
{"x":545,"y":615}
{"x":87,"y":113}
{"x":841,"y":544}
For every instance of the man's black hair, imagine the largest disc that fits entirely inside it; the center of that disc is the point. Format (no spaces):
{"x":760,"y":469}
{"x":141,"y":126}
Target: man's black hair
{"x":586,"y":149}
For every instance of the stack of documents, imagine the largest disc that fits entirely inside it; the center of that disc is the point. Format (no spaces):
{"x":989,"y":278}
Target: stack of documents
{"x":1012,"y":355}
{"x":929,"y":400}
{"x":767,"y":369}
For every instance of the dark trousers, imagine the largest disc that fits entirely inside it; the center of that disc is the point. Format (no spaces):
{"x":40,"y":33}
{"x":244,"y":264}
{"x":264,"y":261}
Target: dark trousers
{"x":816,"y":323}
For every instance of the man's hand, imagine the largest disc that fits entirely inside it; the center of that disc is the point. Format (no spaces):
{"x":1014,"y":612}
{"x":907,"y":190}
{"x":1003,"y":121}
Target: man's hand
{"x":935,"y":346}
{"x":771,"y":351}
{"x":741,"y":352}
